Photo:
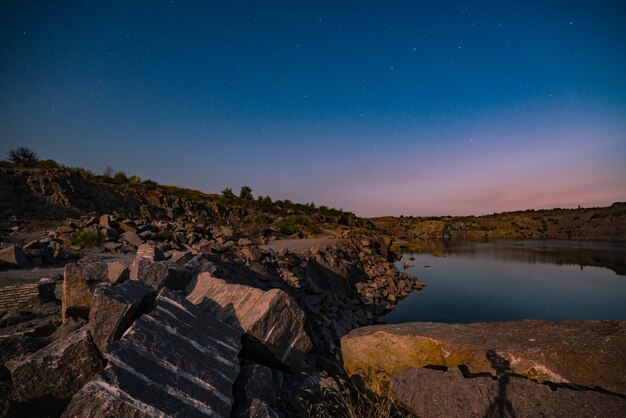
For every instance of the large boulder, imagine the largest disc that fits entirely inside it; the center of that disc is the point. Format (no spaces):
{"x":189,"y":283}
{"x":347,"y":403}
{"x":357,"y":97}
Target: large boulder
{"x":173,"y":361}
{"x":113,"y":309}
{"x":79,"y":283}
{"x":584,"y":353}
{"x":274,"y":325}
{"x":57,"y":370}
{"x":431,"y":393}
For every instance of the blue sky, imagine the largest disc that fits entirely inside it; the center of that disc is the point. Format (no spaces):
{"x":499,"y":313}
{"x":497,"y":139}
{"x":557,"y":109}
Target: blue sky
{"x":374,"y":107}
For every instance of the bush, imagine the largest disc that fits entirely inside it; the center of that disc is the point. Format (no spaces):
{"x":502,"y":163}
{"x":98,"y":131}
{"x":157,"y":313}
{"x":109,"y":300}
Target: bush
{"x":88,"y":238}
{"x":48,"y":164}
{"x":120,"y":178}
{"x":85,"y":173}
{"x":108,"y":172}
{"x":149,"y":184}
{"x":134,"y":180}
{"x":348,"y":401}
{"x":245,"y":193}
{"x":23,"y":157}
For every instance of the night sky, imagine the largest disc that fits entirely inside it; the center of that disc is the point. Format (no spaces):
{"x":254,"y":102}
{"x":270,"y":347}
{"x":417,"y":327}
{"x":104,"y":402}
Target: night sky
{"x":380,"y":108}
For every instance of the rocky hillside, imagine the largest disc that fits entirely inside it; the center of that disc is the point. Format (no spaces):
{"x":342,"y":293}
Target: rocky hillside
{"x":585,"y":223}
{"x":37,"y":194}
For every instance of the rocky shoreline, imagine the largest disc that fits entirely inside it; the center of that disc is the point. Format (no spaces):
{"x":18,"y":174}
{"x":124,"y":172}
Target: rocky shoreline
{"x":296,"y":306}
{"x":195,"y":308}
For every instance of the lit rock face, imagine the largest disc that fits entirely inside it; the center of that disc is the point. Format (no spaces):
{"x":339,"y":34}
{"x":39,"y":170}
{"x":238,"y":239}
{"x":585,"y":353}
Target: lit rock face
{"x":79,"y":283}
{"x":584,"y":353}
{"x":272,"y":322}
{"x":173,"y":361}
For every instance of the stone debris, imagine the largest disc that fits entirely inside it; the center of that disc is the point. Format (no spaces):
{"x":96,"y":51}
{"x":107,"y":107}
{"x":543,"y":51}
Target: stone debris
{"x":161,"y":274}
{"x":173,"y":361}
{"x":117,"y":272}
{"x":58,"y":370}
{"x":256,"y":392}
{"x":273,"y":323}
{"x":113,"y":309}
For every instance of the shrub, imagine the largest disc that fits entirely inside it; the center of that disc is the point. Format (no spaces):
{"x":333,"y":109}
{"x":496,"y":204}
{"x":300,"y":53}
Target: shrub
{"x":149,"y":184}
{"x":120,"y":178}
{"x":108,"y":172}
{"x":48,"y":164}
{"x":134,"y":180}
{"x":88,"y":238}
{"x":348,"y":401}
{"x":23,"y":157}
{"x":245,"y":193}
{"x":85,"y":173}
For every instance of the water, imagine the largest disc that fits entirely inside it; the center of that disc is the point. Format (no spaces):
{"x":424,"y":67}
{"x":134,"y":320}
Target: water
{"x":510,"y":280}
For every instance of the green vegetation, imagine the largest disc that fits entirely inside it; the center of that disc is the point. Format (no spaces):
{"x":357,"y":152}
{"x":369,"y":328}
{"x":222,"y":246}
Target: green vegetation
{"x":246,"y":193}
{"x":255,"y":213}
{"x":88,"y":238}
{"x":293,"y":224}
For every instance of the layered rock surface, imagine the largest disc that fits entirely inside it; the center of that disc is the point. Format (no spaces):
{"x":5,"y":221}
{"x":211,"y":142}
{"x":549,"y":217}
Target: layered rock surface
{"x":450,"y":394}
{"x":273,"y":323}
{"x":173,"y":361}
{"x":584,"y":353}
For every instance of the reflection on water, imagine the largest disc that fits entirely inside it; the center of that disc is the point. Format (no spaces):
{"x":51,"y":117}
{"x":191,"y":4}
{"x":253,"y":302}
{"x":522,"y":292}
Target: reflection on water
{"x":508,"y":280}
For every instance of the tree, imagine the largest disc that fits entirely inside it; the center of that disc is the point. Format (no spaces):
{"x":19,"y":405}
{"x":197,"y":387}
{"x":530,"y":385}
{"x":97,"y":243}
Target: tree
{"x":228,"y":192}
{"x":23,"y":157}
{"x":245,"y":193}
{"x":108,"y":172}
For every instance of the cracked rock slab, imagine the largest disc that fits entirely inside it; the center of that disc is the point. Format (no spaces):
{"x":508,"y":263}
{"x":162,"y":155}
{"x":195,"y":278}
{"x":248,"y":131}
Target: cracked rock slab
{"x":173,"y":361}
{"x":429,"y":393}
{"x":584,"y":353}
{"x":273,"y":323}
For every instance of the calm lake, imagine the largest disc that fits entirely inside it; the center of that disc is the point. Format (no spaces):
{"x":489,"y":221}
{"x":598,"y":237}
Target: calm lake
{"x":509,"y":280}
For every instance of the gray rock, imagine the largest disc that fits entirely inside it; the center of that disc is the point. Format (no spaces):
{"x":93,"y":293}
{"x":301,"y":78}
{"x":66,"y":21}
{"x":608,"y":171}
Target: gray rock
{"x":45,"y":290}
{"x":113,"y":309}
{"x":69,"y":327}
{"x":273,"y":323}
{"x":256,"y":392}
{"x":429,"y":393}
{"x":14,"y":346}
{"x":57,"y":370}
{"x":161,"y":274}
{"x":79,"y":282}
{"x":173,"y":361}
{"x":132,"y":238}
{"x":13,"y":256}
{"x":150,"y":252}
{"x":117,"y":272}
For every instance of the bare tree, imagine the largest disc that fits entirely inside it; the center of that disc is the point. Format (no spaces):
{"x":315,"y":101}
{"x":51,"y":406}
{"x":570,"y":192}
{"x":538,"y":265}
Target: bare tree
{"x":23,"y":157}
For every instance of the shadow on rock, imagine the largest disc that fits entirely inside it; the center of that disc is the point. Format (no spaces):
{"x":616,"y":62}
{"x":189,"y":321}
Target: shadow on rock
{"x":501,"y":406}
